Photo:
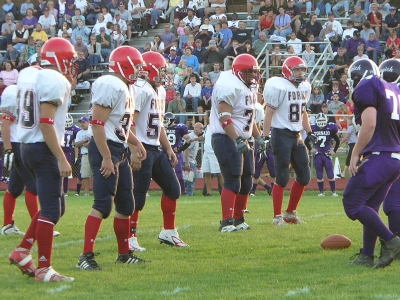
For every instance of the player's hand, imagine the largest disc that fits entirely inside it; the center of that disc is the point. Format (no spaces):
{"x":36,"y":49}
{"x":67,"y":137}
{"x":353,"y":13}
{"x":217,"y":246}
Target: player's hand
{"x":241,"y":145}
{"x":107,"y":167}
{"x":353,"y":165}
{"x":136,"y":162}
{"x":8,"y":159}
{"x":65,"y":168}
{"x":172,"y":157}
{"x":76,"y":161}
{"x":313,"y":150}
{"x":262,"y":142}
{"x":331,"y":152}
{"x":312,"y":137}
{"x":142,"y":153}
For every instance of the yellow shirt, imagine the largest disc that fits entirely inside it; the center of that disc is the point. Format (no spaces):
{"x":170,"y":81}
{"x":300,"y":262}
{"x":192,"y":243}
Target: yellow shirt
{"x":174,"y":2}
{"x":40,"y":36}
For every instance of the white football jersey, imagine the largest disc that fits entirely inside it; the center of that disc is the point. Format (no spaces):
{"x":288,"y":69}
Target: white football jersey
{"x":110,"y":91}
{"x":9,"y":106}
{"x":39,"y":86}
{"x":289,"y":102}
{"x":151,"y":106}
{"x":234,"y":92}
{"x":259,"y":113}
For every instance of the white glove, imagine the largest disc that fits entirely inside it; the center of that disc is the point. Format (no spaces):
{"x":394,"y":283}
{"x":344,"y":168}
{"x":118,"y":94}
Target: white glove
{"x":8,"y":159}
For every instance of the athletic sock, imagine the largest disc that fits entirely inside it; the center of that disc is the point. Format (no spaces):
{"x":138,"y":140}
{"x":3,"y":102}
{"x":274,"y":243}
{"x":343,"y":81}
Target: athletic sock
{"x":78,"y":188}
{"x":296,"y":192}
{"x":394,"y":224}
{"x":92,"y":228}
{"x":240,"y":205}
{"x":370,"y":218}
{"x":254,"y":187}
{"x":332,"y":184}
{"x":9,"y":204}
{"x":320,"y":186}
{"x":277,"y":199}
{"x":65,"y":185}
{"x":133,"y":222}
{"x":121,"y":229}
{"x":30,"y":235}
{"x":44,"y":237}
{"x":369,"y":242}
{"x":31,"y":202}
{"x":228,"y":203}
{"x":168,"y":207}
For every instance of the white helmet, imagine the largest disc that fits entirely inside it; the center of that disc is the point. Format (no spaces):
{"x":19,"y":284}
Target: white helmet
{"x":69,"y":121}
{"x":321,"y":120}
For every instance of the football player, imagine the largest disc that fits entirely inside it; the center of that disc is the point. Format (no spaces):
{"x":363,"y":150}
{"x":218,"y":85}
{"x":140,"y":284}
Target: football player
{"x":232,"y":124}
{"x":175,"y":134}
{"x":286,"y":98}
{"x":376,"y":108}
{"x":69,"y":144}
{"x":112,"y":110}
{"x":19,"y":175}
{"x":43,"y":104}
{"x":159,"y":164}
{"x":322,"y":151}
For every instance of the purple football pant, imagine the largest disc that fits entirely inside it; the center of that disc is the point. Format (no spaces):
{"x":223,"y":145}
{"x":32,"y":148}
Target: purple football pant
{"x":391,"y":207}
{"x":322,"y":161}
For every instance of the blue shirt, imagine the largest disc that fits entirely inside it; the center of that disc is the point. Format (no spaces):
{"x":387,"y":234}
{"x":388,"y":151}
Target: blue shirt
{"x":374,"y":44}
{"x":192,"y":61}
{"x":226,"y":35}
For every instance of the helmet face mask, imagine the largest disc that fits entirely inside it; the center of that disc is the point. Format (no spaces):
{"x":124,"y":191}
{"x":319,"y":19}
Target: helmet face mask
{"x":169,"y":119}
{"x":321,"y":120}
{"x":294,"y":69}
{"x":155,"y":68}
{"x":69,"y":121}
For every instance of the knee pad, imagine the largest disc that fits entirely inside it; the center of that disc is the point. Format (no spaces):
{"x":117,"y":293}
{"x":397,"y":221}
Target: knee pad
{"x":304,"y":177}
{"x":232,"y":183}
{"x":246,"y":185}
{"x":104,"y":206}
{"x":140,"y":200}
{"x":282,"y":177}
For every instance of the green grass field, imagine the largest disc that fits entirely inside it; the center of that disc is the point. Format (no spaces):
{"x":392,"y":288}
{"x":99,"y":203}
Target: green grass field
{"x":266,"y":262}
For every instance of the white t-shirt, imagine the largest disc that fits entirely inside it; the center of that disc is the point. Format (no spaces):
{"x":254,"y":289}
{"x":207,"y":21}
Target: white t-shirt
{"x":151,"y":107}
{"x":296,"y":43}
{"x":289,"y":102}
{"x":132,"y":6}
{"x":47,"y":22}
{"x":34,"y":88}
{"x":82,"y":135}
{"x":195,"y":90}
{"x":81,"y":4}
{"x":9,"y":106}
{"x":234,"y":92}
{"x":110,"y":91}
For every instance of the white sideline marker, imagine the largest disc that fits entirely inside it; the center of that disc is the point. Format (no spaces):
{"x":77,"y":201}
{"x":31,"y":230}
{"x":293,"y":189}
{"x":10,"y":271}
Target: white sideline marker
{"x":304,"y":290}
{"x":336,"y":169}
{"x":175,"y":291}
{"x":59,"y":289}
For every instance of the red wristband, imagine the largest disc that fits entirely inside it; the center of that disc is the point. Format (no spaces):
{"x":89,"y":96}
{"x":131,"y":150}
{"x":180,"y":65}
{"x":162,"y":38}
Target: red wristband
{"x":47,"y":120}
{"x":9,"y":118}
{"x":133,"y":124}
{"x":226,"y":123}
{"x":98,"y":122}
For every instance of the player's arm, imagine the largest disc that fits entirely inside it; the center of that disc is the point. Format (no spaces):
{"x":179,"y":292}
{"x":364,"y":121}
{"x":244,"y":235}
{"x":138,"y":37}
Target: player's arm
{"x":135,"y":145}
{"x":47,"y":114}
{"x":267,"y":120}
{"x":368,"y":119}
{"x":5,"y":130}
{"x":167,"y":146}
{"x":136,"y":163}
{"x":256,"y":132}
{"x":306,"y":122}
{"x":337,"y":142}
{"x":100,"y":116}
{"x":224,"y":112}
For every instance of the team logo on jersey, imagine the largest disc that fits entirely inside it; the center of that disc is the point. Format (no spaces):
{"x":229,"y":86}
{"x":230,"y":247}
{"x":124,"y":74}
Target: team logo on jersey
{"x":298,"y":95}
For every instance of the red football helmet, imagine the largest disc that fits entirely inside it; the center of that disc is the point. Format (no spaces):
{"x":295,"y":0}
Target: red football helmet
{"x":243,"y":64}
{"x":292,"y":63}
{"x":127,"y":61}
{"x":58,"y":52}
{"x":155,"y":66}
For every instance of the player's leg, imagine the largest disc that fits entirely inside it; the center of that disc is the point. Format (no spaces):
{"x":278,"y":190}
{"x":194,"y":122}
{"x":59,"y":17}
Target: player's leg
{"x":328,"y":163}
{"x":391,"y":207}
{"x":259,"y":159}
{"x":86,"y":172}
{"x":206,"y":169}
{"x":271,"y":168}
{"x":318,"y":164}
{"x":230,"y":162}
{"x":179,"y":171}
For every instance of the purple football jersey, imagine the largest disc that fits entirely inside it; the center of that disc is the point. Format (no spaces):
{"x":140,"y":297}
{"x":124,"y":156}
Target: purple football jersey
{"x":385,"y":97}
{"x":175,"y":135}
{"x":69,"y":138}
{"x":324,"y":135}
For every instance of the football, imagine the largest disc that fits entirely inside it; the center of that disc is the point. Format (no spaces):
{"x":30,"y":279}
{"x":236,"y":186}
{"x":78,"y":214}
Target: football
{"x":336,"y":241}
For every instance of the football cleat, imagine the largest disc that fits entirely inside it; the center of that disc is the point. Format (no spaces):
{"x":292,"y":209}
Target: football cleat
{"x":362,"y":260}
{"x":22,"y":258}
{"x":252,"y":194}
{"x":134,"y":245}
{"x":246,"y":211}
{"x":227,"y":225}
{"x":11,"y":229}
{"x":129,"y":258}
{"x":321,"y":195}
{"x":87,"y":262}
{"x":48,"y":274}
{"x":171,"y":237}
{"x":335,"y":195}
{"x":56,"y":233}
{"x":389,"y":251}
{"x":279,"y":221}
{"x":292,"y":217}
{"x":240,"y":224}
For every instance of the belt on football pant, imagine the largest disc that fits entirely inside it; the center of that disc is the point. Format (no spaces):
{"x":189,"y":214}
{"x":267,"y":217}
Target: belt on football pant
{"x":395,"y":155}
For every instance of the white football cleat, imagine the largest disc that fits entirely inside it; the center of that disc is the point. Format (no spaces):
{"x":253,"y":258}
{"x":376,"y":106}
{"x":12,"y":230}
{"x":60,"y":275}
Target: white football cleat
{"x":134,"y":245}
{"x":50,"y":275}
{"x":11,"y":229}
{"x":56,"y":233}
{"x":171,"y":237}
{"x":335,"y":195}
{"x":279,"y":221}
{"x":321,"y":195}
{"x":292,"y":217}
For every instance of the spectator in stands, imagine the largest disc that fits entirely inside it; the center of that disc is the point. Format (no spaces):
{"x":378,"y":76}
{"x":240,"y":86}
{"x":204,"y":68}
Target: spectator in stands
{"x":123,"y":27}
{"x":206,"y":94}
{"x":397,"y":56}
{"x":328,"y":34}
{"x":82,"y":6}
{"x":317,"y":99}
{"x":94,"y":51}
{"x":7,"y":31}
{"x":344,"y":86}
{"x":83,"y":67}
{"x":80,"y":46}
{"x":392,"y":22}
{"x":180,"y":74}
{"x":233,"y":24}
{"x":339,"y":5}
{"x":360,"y":54}
{"x":308,"y":56}
{"x":64,"y":29}
{"x":335,"y":90}
{"x":227,"y":35}
{"x":81,"y":30}
{"x":311,"y":40}
{"x":39,"y":9}
{"x":29,"y":21}
{"x":336,"y":25}
{"x":159,"y":7}
{"x":33,"y":59}
{"x":181,"y":9}
{"x":186,"y":80}
{"x":214,"y":75}
{"x":100,"y":23}
{"x":191,"y":59}
{"x":137,"y":8}
{"x":106,"y":14}
{"x":329,"y":113}
{"x":178,"y":106}
{"x":258,"y":45}
{"x":169,"y":88}
{"x":296,"y":43}
{"x":314,"y":26}
{"x":252,"y":6}
{"x":381,"y":4}
{"x":78,"y":16}
{"x":82,"y":140}
{"x":331,"y":77}
{"x":282,"y":24}
{"x":10,"y":7}
{"x":307,"y":4}
{"x":217,"y":35}
{"x":48,"y":23}
{"x":20,"y":37}
{"x":27,"y":52}
{"x":39,"y":35}
{"x":218,"y":17}
{"x":392,"y":44}
{"x":376,"y":19}
{"x":105,"y":42}
{"x":167,"y":37}
{"x":247,"y":48}
{"x":112,"y":7}
{"x":341,"y":117}
{"x":170,"y":12}
{"x":348,"y":32}
{"x":341,"y":60}
{"x":127,"y":18}
{"x":289,"y":52}
{"x":185,"y":37}
{"x":335,"y":104}
{"x":11,"y":55}
{"x":24,"y":7}
{"x":302,"y":35}
{"x":352,"y":44}
{"x":198,"y":117}
{"x":295,"y":15}
{"x":192,"y":21}
{"x":323,"y":7}
{"x":350,"y":105}
{"x":146,"y":48}
{"x":9,"y":74}
{"x":157,"y":45}
{"x":364,"y":5}
{"x":118,"y":37}
{"x":213,"y":54}
{"x":172,"y":59}
{"x":53,"y":11}
{"x":206,"y":22}
{"x":358,"y":17}
{"x":266,"y":24}
{"x":373,"y":48}
{"x":276,"y":60}
{"x":232,"y":52}
{"x":367,"y":30}
{"x":204,"y":35}
{"x":93,"y":9}
{"x":242,"y":34}
{"x":198,"y":52}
